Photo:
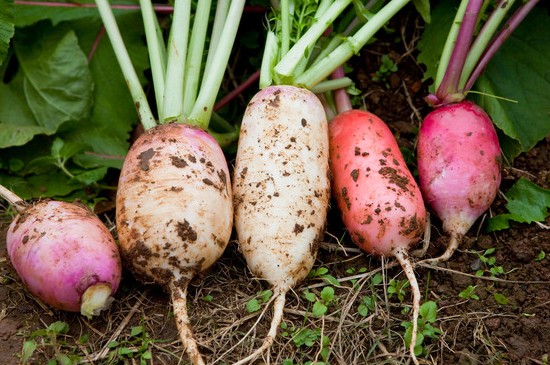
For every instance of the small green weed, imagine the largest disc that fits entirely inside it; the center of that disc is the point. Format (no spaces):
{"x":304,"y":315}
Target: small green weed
{"x":397,"y":288}
{"x":387,"y":67}
{"x":488,"y":259}
{"x":427,"y":316}
{"x":307,"y":337}
{"x":469,"y":293}
{"x":52,"y":340}
{"x":321,"y":303}
{"x":255,"y":304}
{"x":136,"y":347}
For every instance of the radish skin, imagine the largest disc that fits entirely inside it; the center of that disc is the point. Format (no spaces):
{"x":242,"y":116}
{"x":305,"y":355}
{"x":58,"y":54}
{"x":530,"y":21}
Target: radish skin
{"x":459,"y":167}
{"x":174,"y":212}
{"x":281,"y":190}
{"x":380,"y":203}
{"x":65,"y":256}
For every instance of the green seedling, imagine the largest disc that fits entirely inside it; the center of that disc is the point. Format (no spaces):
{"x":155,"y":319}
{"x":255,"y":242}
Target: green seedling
{"x":469,"y":293}
{"x":540,"y":256}
{"x":320,"y":304}
{"x":427,"y":316}
{"x":135,"y":348}
{"x":488,"y":259}
{"x":255,"y":304}
{"x":387,"y":67}
{"x":53,"y":341}
{"x":307,"y":337}
{"x":322,"y":273}
{"x":397,"y":288}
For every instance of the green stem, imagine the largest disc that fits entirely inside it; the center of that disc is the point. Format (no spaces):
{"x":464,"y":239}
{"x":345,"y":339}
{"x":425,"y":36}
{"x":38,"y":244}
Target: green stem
{"x":285,"y":68}
{"x":330,"y":85}
{"x":175,"y":64}
{"x":269,"y":59}
{"x":286,"y":26}
{"x":449,"y":44}
{"x":485,"y":36}
{"x":351,"y":46}
{"x":136,"y":90}
{"x":222,"y":7}
{"x":193,"y":65}
{"x":157,"y":51}
{"x":204,"y":105}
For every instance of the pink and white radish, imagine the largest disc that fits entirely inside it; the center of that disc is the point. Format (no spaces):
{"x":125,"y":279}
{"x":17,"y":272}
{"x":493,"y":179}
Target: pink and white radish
{"x":379,"y":200}
{"x":459,"y":157}
{"x":174,"y":199}
{"x":64,"y":254}
{"x":281,"y":190}
{"x":459,"y":163}
{"x":174,"y":211}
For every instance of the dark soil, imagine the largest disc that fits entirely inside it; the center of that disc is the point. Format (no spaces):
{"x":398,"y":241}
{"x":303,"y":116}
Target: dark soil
{"x":509,"y":322}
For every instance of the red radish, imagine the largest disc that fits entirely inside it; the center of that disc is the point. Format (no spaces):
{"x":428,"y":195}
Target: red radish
{"x":459,"y":163}
{"x":63,"y":254}
{"x":174,"y":199}
{"x":459,"y":157}
{"x":380,"y":203}
{"x":281,"y":190}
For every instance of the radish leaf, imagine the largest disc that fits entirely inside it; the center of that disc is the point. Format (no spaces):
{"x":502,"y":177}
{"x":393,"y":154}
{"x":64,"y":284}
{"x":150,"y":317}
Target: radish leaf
{"x":527,"y":203}
{"x":6,"y":27}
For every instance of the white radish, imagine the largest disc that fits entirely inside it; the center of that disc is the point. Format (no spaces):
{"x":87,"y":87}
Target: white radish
{"x":281,"y":190}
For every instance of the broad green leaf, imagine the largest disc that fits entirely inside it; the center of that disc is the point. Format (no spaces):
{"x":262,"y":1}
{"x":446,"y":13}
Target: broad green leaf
{"x":28,"y":14}
{"x":57,"y":84}
{"x":527,"y":203}
{"x":6,"y":27}
{"x":253,"y":305}
{"x":36,"y":186}
{"x":519,"y":71}
{"x":113,"y":114}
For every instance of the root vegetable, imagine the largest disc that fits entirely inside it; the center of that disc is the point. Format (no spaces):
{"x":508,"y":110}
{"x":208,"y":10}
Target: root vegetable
{"x":281,"y":190}
{"x":379,"y":200}
{"x":459,"y":163}
{"x":64,"y":255}
{"x":174,"y":211}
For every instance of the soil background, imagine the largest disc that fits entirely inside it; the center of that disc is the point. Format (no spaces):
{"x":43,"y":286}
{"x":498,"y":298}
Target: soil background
{"x":509,"y":323}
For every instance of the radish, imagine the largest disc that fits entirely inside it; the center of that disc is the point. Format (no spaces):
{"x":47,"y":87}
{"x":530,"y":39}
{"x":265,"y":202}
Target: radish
{"x":174,"y":200}
{"x":281,"y":189}
{"x":380,"y":202}
{"x":64,"y":254}
{"x":458,"y":154}
{"x":281,"y":179}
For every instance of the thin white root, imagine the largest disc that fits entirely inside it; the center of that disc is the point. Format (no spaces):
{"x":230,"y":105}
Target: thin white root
{"x":403,"y":258}
{"x":15,"y":201}
{"x":451,"y":248}
{"x":278,"y":307}
{"x":179,"y":304}
{"x":426,"y":239}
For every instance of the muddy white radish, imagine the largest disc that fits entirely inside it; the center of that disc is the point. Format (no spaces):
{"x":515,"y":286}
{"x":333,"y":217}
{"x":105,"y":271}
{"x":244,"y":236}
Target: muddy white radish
{"x":459,"y":157}
{"x":174,"y":200}
{"x":281,"y":189}
{"x":64,"y":254}
{"x":281,"y":180}
{"x":379,"y":200}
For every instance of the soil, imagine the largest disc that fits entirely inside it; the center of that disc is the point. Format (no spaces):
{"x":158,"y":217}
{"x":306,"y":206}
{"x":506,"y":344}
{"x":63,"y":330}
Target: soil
{"x":507,"y":323}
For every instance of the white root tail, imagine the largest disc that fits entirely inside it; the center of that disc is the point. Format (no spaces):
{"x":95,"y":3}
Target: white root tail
{"x":454,"y":242}
{"x":403,"y":258}
{"x":179,"y":303}
{"x":278,"y":306}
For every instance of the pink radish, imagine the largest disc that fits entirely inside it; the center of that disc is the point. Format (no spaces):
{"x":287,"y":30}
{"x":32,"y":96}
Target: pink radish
{"x":281,"y":190}
{"x":64,"y":254}
{"x":380,"y":203}
{"x":459,"y":157}
{"x":459,"y":163}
